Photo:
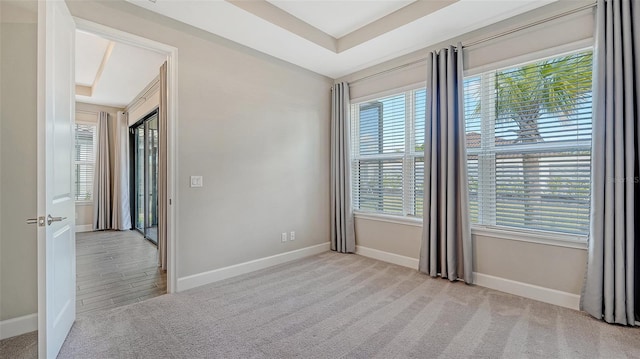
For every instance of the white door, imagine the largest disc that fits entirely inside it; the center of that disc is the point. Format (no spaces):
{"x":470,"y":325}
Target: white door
{"x":56,"y":237}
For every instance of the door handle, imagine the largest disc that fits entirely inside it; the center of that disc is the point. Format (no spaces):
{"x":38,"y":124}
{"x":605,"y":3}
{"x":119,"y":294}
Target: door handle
{"x":39,"y":221}
{"x":54,"y":219}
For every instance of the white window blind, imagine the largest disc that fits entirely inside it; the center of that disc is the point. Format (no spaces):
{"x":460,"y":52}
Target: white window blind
{"x":528,"y":132}
{"x":85,"y":147}
{"x":388,"y":154}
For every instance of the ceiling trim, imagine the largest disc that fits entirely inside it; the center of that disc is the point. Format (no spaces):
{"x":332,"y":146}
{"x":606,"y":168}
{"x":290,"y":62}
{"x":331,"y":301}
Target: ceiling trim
{"x":103,"y":64}
{"x":226,"y":20}
{"x":273,"y":14}
{"x":86,"y":90}
{"x":405,"y":15}
{"x":394,"y":20}
{"x":83,"y":90}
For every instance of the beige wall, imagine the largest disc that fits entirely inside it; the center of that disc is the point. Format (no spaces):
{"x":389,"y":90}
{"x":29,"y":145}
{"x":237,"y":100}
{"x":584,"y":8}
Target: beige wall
{"x":396,"y":238}
{"x":255,"y":127}
{"x":84,"y":216}
{"x":89,"y":113}
{"x":18,"y":267}
{"x":544,"y":265}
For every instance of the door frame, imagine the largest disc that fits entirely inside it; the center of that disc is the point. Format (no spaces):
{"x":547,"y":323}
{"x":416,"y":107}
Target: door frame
{"x":172,"y":117}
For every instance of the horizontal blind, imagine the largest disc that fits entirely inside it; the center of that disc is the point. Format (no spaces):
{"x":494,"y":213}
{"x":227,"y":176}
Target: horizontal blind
{"x":378,"y":175}
{"x":380,"y":185}
{"x":84,"y":160}
{"x":387,"y":152}
{"x":528,"y":133}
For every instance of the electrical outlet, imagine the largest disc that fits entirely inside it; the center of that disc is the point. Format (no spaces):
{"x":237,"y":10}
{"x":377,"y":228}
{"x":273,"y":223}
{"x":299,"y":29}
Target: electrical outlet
{"x":283,"y":237}
{"x":292,"y":236}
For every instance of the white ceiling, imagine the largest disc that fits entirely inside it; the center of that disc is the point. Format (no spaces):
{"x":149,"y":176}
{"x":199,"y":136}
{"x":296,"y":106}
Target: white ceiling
{"x":339,"y":18}
{"x":90,"y":50}
{"x":352,"y":34}
{"x":126,"y":70}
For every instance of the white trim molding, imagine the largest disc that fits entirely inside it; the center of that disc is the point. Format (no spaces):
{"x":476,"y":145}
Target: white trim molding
{"x":531,"y":291}
{"x":379,"y":217}
{"x":17,"y":326}
{"x":84,"y":228}
{"x":219,"y":274}
{"x":532,"y":236}
{"x":388,"y":257}
{"x":172,"y":118}
{"x":524,"y":235}
{"x":526,"y":290}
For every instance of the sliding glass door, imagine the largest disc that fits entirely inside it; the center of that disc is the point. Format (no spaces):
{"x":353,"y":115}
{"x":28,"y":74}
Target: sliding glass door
{"x":145,"y":176}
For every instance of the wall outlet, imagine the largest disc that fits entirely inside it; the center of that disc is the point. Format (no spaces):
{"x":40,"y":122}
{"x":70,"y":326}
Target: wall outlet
{"x":292,"y":236}
{"x":283,"y":237}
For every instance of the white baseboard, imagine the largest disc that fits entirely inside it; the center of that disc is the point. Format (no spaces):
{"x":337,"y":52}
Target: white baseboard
{"x":20,"y":325}
{"x":84,"y":228}
{"x":215,"y":275}
{"x":547,"y":295}
{"x":388,"y":257}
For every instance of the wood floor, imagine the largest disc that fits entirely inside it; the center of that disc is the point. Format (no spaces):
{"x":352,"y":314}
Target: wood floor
{"x":116,"y":268}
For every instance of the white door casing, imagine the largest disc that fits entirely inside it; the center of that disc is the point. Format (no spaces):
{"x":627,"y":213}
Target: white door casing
{"x":56,"y":239}
{"x":120,"y":36}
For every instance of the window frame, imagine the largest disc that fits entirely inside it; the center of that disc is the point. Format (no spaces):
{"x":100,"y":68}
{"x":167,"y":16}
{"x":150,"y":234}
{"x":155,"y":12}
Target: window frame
{"x":89,"y":201}
{"x":408,"y":158}
{"x":479,"y":231}
{"x":486,"y":225}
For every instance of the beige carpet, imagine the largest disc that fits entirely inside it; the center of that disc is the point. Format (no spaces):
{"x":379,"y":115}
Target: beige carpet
{"x":21,"y":347}
{"x":332,"y":306}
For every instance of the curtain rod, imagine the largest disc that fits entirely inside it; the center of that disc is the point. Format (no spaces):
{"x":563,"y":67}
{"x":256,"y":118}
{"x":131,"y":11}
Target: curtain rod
{"x":142,"y":96}
{"x":480,"y":41}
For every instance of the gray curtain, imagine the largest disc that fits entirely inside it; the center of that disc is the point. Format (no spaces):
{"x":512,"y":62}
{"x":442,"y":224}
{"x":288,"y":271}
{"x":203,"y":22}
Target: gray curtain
{"x":121,"y":212}
{"x":101,"y":177}
{"x":612,"y":289}
{"x":342,"y":227}
{"x":446,"y":235}
{"x":163,"y":201}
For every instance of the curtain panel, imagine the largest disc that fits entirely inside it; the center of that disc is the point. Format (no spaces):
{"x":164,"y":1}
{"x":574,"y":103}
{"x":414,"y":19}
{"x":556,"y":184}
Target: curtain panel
{"x":101,"y":178}
{"x":445,"y":249}
{"x":612,"y":287}
{"x":342,"y":224}
{"x":121,"y":211}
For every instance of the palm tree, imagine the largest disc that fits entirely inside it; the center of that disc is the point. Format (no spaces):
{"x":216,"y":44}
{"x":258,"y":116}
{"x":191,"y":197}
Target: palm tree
{"x":554,"y":87}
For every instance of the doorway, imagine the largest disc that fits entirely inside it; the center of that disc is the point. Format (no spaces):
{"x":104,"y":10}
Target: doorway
{"x":144,"y":137}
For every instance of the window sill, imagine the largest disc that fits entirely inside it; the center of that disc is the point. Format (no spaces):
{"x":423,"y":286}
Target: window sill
{"x":407,"y":221}
{"x":84,"y":203}
{"x":532,"y":236}
{"x":539,"y":237}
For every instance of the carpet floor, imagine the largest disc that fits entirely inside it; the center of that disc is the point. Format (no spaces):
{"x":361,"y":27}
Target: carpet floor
{"x":335,"y":306}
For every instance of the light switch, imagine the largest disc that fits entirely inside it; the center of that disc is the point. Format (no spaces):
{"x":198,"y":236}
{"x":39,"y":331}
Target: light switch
{"x":196,"y":181}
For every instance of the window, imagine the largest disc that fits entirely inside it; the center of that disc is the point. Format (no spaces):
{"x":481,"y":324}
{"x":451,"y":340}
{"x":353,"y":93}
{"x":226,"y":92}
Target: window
{"x":84,"y":161}
{"x":528,"y":133}
{"x":388,"y":154}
